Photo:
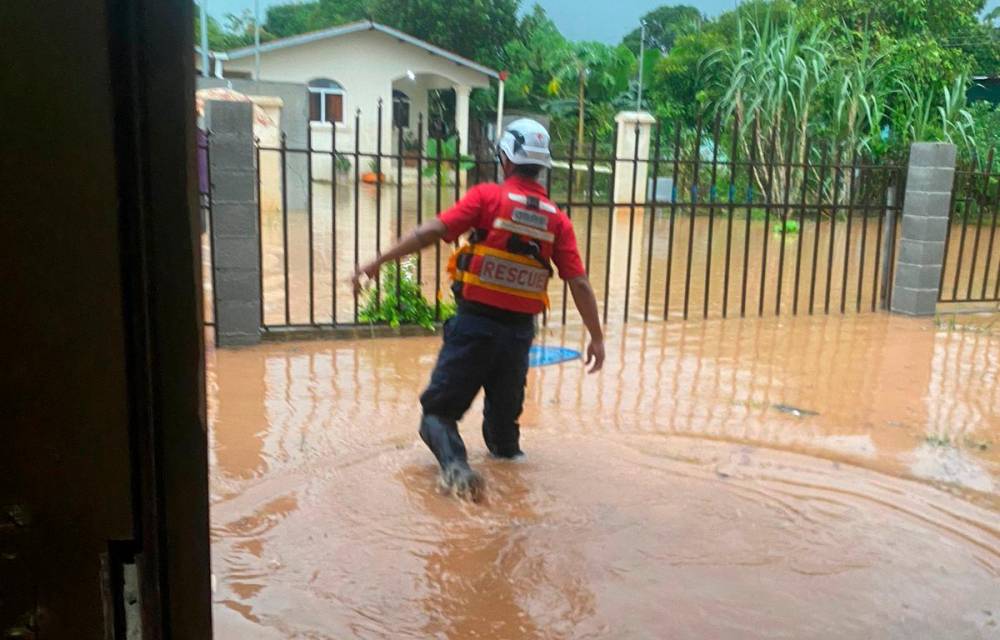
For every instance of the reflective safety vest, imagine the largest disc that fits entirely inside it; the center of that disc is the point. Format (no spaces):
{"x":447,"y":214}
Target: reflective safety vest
{"x":508,"y":265}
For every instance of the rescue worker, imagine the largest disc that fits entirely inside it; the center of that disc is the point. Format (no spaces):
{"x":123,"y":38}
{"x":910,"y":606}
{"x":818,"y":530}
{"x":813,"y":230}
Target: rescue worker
{"x":500,"y":276}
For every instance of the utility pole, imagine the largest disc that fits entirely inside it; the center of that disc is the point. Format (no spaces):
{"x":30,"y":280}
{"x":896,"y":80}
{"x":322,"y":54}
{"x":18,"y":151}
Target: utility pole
{"x":642,"y":55}
{"x":204,"y":38}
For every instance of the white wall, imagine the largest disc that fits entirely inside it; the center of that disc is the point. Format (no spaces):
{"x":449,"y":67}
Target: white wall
{"x":366,"y":64}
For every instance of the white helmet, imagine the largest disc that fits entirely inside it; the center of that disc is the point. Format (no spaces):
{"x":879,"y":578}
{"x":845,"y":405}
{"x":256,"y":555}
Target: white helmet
{"x":524,"y":141}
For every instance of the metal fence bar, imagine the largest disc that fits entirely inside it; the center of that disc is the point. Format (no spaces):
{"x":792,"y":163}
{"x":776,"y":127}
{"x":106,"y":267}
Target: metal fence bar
{"x":784,"y":227}
{"x":611,"y":219}
{"x":357,"y":206}
{"x":996,"y":287}
{"x":260,"y":231}
{"x":673,"y":217}
{"x":590,"y":201}
{"x":751,"y":173}
{"x":399,"y":217}
{"x":420,"y":192}
{"x":818,"y":227}
{"x":378,"y":198}
{"x":993,"y":232}
{"x":768,"y":199}
{"x":309,"y":221}
{"x":569,"y":212}
{"x":851,"y":194}
{"x":802,"y":227}
{"x":965,"y":228}
{"x":652,"y":221}
{"x":333,"y":225}
{"x":837,"y":176}
{"x":631,"y":223}
{"x":884,"y":223}
{"x":437,"y":245}
{"x":893,"y":229}
{"x":732,"y":210}
{"x":694,"y":213}
{"x":284,"y":222}
{"x":861,"y":260}
{"x":712,"y":197}
{"x":548,"y":190}
{"x":979,"y":223}
{"x":952,"y":204}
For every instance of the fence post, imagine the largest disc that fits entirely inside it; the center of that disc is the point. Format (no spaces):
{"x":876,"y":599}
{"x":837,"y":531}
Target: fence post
{"x":235,"y":228}
{"x":626,"y":151}
{"x":887,"y":247}
{"x":926,"y":208}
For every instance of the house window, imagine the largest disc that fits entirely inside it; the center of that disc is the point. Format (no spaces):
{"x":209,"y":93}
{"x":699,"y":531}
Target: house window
{"x":400,"y":110}
{"x":326,"y":101}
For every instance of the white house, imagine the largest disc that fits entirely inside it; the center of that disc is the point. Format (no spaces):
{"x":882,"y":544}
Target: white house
{"x":350,"y":68}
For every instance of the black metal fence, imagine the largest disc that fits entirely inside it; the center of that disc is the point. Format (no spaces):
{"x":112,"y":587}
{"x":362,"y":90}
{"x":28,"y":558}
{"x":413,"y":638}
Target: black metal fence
{"x":729,"y":219}
{"x":970,"y":273}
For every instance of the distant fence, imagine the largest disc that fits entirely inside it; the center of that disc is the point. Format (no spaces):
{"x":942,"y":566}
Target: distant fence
{"x":707,"y":222}
{"x":970,"y":273}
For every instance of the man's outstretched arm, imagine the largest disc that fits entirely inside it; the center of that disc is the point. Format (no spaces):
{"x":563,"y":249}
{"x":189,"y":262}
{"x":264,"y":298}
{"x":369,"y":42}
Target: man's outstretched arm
{"x":423,"y":236}
{"x":586,"y":304}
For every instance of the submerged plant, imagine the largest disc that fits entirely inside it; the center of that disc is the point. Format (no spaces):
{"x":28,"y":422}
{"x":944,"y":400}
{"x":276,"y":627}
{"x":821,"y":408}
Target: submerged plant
{"x":790,"y":226}
{"x":441,"y":155}
{"x":399,"y":300}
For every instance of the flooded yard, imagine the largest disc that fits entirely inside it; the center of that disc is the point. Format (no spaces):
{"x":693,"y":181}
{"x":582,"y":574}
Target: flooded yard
{"x":809,"y":477}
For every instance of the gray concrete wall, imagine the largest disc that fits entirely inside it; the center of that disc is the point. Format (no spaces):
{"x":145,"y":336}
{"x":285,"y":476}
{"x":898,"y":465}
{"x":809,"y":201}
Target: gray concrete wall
{"x":926,"y":208}
{"x":235,"y":225}
{"x":294,"y":124}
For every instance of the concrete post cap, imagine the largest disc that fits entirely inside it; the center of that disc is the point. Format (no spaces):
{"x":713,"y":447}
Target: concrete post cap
{"x":634,"y":117}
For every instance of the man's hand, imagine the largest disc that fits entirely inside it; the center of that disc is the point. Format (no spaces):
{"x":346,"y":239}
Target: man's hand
{"x":369,"y":270}
{"x":583,"y":296}
{"x":423,"y":236}
{"x":595,"y":355}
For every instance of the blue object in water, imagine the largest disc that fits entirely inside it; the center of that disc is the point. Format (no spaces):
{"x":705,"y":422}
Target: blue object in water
{"x":540,"y":356}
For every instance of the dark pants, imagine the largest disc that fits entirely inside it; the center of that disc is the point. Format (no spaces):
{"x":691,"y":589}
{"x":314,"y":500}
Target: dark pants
{"x":482,"y":353}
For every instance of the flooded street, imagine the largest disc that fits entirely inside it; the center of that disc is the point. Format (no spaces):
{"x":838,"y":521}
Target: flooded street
{"x":809,"y":477}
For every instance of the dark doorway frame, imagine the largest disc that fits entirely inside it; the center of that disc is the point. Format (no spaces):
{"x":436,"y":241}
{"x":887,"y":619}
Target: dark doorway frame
{"x":152,"y":70}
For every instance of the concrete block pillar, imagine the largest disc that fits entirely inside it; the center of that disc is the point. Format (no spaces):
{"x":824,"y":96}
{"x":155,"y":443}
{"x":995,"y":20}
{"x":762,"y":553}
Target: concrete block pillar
{"x":628,"y":122}
{"x":926,"y":207}
{"x":236,"y":228}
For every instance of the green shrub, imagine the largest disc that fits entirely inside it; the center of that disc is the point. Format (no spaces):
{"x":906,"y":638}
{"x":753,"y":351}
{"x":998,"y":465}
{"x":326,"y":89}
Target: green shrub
{"x":445,"y":151}
{"x":342,"y":163}
{"x":403,"y":305}
{"x":790,"y":226}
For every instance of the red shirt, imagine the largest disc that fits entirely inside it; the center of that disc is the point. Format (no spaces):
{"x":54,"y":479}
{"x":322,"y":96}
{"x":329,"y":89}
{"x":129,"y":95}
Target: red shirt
{"x":482,"y":204}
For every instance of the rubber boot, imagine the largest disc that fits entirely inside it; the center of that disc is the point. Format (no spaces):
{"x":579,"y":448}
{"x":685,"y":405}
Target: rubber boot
{"x":505,"y":444}
{"x":442,"y":437}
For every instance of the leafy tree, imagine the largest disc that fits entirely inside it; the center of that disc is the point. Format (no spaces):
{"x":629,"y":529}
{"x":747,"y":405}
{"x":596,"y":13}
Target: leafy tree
{"x":286,"y":20}
{"x":900,"y":18}
{"x":680,"y":82}
{"x":664,"y":25}
{"x":292,"y":19}
{"x":476,"y":29}
{"x":589,"y":74}
{"x":534,"y":57}
{"x":330,"y":13}
{"x":220,"y":38}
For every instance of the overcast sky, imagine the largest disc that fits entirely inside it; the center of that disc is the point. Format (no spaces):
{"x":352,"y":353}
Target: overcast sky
{"x":604,"y":20}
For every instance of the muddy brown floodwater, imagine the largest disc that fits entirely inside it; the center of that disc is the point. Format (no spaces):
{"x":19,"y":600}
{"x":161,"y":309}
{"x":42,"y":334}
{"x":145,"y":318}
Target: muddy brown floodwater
{"x":825,"y":477}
